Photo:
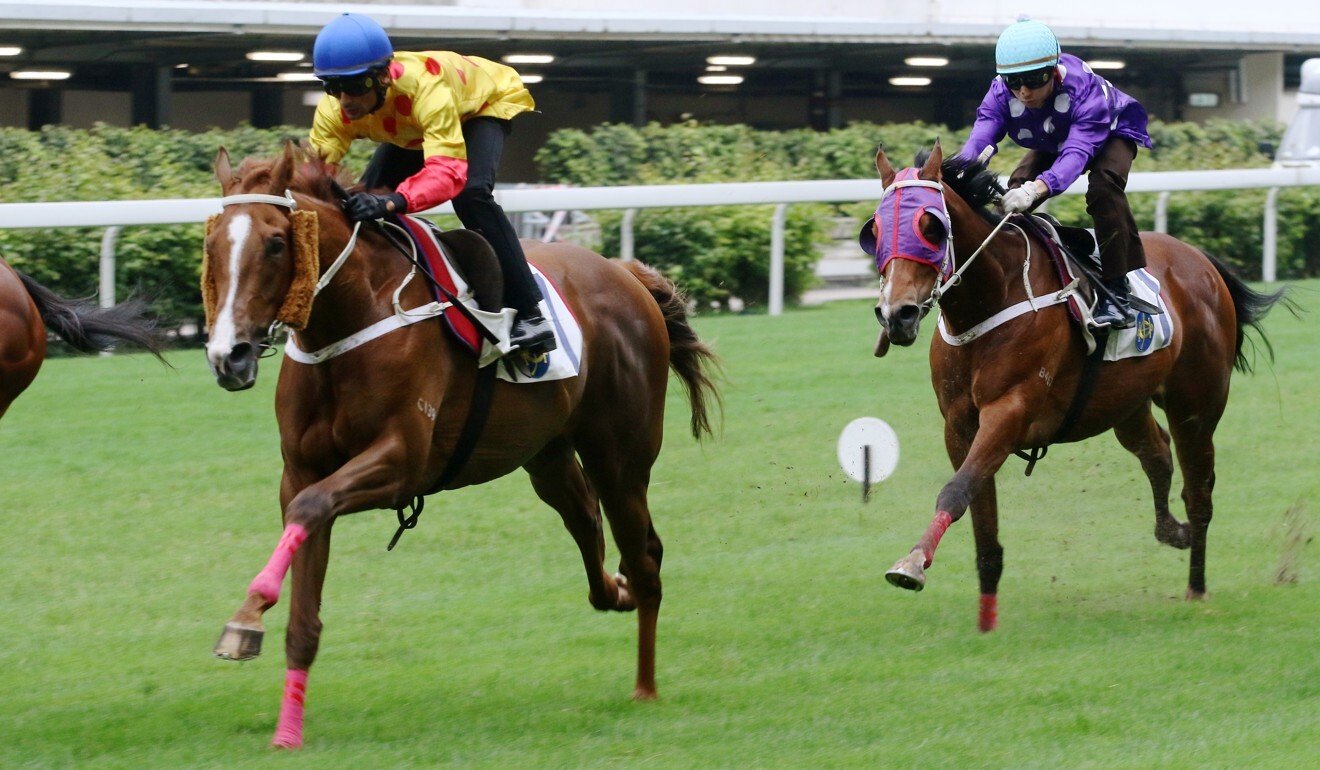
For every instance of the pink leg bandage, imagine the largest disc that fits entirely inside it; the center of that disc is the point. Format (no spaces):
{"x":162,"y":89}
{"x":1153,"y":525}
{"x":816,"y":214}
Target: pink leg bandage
{"x":934,"y":532}
{"x":989,"y":612}
{"x":267,"y":583}
{"x":288,"y":733}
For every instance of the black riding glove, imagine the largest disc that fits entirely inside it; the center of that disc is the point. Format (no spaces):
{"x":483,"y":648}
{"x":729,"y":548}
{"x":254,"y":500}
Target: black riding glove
{"x":363,"y":206}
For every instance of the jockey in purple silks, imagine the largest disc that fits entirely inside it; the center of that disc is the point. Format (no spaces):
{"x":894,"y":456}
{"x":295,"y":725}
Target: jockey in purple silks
{"x":1072,"y":121}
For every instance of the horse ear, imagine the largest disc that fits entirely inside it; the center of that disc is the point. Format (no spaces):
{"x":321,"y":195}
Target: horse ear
{"x":282,"y":174}
{"x":222,"y":170}
{"x":931,"y":170}
{"x":883,"y":168}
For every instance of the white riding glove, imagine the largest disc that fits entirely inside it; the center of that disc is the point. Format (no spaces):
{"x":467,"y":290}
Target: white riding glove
{"x":1020,"y":199}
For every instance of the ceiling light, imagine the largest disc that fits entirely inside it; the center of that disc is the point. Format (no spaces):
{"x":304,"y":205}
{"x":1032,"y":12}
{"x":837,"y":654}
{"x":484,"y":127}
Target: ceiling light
{"x":909,"y":81}
{"x":10,"y":50}
{"x":926,"y":61}
{"x":297,"y":77}
{"x":527,"y":58}
{"x":531,"y":78}
{"x":720,"y":80}
{"x":731,"y":61}
{"x":285,"y":56}
{"x":716,"y":68}
{"x":1107,"y":64}
{"x":40,"y":74}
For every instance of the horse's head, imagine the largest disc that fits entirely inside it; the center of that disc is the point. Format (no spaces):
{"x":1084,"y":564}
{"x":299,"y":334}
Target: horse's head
{"x":260,"y":263}
{"x":909,"y":237}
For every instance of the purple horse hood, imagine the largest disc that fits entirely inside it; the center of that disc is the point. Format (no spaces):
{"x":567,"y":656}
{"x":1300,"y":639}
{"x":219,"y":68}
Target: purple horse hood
{"x":895,"y":230}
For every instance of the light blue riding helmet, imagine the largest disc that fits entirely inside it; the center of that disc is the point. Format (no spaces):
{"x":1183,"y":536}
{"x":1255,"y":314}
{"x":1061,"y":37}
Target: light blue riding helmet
{"x":350,"y":45}
{"x":1026,"y":45}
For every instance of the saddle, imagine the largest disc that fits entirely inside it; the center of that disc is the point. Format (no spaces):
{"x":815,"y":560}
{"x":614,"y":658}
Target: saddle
{"x":1075,"y":252}
{"x":472,"y":258}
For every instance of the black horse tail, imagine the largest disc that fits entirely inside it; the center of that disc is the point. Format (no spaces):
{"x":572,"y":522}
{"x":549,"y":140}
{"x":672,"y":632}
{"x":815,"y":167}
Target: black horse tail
{"x":1251,"y":307}
{"x":91,"y":329}
{"x":690,"y":358}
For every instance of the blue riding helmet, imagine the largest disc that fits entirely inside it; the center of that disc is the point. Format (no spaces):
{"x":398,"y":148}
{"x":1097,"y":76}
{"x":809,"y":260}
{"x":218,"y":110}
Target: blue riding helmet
{"x":350,"y":45}
{"x":1026,"y":45}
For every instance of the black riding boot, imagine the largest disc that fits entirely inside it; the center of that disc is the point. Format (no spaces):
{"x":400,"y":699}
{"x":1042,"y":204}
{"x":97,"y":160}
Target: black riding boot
{"x":1115,"y":312}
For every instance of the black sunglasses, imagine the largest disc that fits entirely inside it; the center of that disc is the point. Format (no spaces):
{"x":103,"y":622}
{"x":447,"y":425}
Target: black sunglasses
{"x":355,"y":85}
{"x":1033,"y":79}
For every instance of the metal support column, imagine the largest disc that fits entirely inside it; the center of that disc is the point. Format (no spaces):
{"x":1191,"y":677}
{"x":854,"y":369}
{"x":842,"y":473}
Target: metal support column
{"x":151,"y":95}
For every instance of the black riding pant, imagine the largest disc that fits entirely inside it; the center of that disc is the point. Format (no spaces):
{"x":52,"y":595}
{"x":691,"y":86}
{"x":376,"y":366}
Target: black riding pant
{"x":475,"y":205}
{"x":1106,"y":202}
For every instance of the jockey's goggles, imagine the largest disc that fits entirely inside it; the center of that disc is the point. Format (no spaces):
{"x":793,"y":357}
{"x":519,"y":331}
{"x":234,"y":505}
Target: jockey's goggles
{"x":353,"y":85}
{"x":1033,"y":79}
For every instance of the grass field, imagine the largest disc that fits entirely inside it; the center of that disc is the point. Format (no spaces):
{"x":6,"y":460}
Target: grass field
{"x":140,"y":501}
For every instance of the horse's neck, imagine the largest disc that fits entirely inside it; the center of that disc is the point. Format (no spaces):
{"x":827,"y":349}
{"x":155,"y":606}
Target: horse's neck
{"x":359,"y":294}
{"x":981,"y":291}
{"x":994,"y":280}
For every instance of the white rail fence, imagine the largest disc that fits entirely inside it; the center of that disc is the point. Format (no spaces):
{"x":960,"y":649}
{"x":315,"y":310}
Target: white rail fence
{"x":117,"y":214}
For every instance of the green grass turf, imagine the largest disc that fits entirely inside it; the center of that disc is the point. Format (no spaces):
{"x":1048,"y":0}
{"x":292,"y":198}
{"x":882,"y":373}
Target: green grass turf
{"x":140,"y":501}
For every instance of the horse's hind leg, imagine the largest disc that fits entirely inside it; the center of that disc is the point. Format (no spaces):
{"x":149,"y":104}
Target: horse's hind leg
{"x":1194,"y":413}
{"x":558,"y":480}
{"x":620,"y":477}
{"x":1143,"y":436}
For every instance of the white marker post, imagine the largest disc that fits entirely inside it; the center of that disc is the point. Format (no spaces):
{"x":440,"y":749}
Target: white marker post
{"x":868,"y":452}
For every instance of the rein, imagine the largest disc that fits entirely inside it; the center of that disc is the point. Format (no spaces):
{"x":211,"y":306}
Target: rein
{"x":955,"y":279}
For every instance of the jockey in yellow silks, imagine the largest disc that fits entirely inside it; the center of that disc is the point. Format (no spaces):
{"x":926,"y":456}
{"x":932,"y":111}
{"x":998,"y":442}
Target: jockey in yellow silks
{"x":441,"y":119}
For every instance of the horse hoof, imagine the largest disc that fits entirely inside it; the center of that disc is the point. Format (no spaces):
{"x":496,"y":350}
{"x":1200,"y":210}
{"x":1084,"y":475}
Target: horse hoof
{"x":625,"y":602}
{"x":1195,"y":596}
{"x":645,"y":694}
{"x":908,"y":572}
{"x":1175,"y":534}
{"x":238,"y":642}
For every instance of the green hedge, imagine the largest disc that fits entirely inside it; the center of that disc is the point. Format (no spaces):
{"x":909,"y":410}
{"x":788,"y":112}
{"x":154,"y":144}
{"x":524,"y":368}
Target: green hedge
{"x":717,"y":254}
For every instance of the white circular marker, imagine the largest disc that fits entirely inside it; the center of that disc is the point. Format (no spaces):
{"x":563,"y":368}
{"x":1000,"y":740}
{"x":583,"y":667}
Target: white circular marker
{"x":868,"y":439}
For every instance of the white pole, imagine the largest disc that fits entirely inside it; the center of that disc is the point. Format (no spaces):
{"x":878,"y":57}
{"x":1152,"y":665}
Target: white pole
{"x":777,"y":259}
{"x":107,"y":288}
{"x":106,"y":292}
{"x":1162,"y":212}
{"x":626,"y":235}
{"x":1269,"y":256}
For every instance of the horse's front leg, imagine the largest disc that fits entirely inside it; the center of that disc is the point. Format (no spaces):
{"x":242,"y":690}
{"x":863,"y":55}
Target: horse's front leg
{"x":377,"y":478}
{"x":999,"y":432}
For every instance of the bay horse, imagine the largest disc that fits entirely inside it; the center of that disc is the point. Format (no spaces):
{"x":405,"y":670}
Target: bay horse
{"x":1011,"y":389}
{"x":373,"y":428}
{"x":28,"y":310}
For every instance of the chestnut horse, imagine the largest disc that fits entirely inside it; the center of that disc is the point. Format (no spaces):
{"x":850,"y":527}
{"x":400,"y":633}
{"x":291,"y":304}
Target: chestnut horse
{"x":28,"y":309}
{"x":1010,"y":389}
{"x":373,"y":428}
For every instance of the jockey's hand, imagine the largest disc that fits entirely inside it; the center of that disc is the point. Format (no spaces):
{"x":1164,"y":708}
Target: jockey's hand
{"x":1021,"y":199}
{"x":363,"y":206}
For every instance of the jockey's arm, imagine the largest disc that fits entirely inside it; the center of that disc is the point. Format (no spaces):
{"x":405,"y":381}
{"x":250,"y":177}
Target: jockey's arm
{"x":989,"y":128}
{"x":1088,"y":133}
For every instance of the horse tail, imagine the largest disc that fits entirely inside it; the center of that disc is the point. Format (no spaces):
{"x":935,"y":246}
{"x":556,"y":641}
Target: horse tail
{"x":91,"y":329}
{"x":690,"y":358}
{"x":1251,"y":307}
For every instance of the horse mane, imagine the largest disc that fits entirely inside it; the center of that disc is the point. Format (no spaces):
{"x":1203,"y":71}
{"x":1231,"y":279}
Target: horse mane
{"x":973,"y":181}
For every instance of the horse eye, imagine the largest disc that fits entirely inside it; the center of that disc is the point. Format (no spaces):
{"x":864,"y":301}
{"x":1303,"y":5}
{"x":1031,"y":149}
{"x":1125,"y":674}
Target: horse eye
{"x":275,"y":246}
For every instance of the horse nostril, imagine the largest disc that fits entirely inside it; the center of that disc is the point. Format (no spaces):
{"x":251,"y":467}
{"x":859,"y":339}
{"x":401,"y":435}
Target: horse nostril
{"x":908,"y":314}
{"x":240,"y":354}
